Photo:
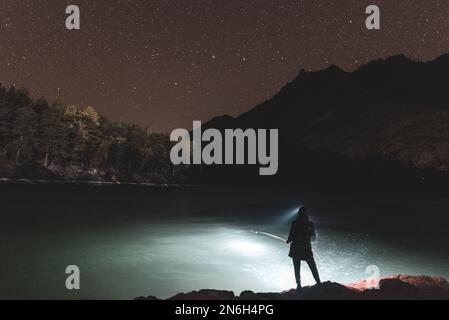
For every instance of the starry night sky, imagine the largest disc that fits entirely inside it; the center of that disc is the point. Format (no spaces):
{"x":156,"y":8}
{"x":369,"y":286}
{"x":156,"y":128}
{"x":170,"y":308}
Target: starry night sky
{"x":166,"y":63}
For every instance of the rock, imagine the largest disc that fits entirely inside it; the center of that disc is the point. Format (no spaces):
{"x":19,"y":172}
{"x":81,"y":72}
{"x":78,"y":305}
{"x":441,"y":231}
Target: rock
{"x":205,"y":294}
{"x":80,"y":174}
{"x":323,"y":291}
{"x":393,"y":289}
{"x":286,"y":295}
{"x":406,"y":287}
{"x":149,"y":298}
{"x":329,"y":291}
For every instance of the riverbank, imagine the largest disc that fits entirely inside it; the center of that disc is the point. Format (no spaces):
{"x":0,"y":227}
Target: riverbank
{"x":34,"y":173}
{"x":88,"y":182}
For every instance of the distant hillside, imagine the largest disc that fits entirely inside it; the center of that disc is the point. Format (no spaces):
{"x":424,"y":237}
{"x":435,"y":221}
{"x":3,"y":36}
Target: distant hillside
{"x":388,"y":121}
{"x":42,"y":141}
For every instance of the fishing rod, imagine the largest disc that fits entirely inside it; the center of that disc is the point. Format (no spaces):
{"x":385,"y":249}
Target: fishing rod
{"x":270,"y":235}
{"x":283,"y":240}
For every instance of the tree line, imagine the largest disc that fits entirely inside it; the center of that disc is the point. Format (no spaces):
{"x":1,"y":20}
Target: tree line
{"x":54,"y":135}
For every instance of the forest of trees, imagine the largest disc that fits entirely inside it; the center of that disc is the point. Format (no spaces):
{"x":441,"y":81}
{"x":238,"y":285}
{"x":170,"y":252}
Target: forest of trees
{"x":57,"y":137}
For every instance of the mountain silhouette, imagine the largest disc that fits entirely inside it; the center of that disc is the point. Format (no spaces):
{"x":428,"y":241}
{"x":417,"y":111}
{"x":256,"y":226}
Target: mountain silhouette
{"x":384,"y":123}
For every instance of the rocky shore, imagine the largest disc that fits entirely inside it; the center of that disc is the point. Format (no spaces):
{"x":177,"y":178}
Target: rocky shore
{"x":398,"y":287}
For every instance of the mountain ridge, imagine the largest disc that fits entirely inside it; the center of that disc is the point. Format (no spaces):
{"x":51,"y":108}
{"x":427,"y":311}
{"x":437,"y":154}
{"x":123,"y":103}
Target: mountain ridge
{"x":390,"y":114}
{"x":333,"y":71}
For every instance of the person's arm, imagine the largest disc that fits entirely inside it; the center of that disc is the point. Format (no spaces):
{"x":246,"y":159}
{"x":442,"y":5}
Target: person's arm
{"x":290,"y":234}
{"x":312,"y":232}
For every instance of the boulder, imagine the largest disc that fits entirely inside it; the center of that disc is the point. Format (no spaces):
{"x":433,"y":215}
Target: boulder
{"x":205,"y":294}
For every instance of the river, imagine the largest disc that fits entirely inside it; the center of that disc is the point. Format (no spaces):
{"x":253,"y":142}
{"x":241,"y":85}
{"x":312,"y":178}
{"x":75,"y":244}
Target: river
{"x":131,"y":241}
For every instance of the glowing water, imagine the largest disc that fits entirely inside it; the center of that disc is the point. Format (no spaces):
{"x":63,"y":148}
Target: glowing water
{"x":164,"y":256}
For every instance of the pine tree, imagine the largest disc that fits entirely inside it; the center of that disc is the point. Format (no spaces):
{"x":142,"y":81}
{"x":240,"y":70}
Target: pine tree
{"x":53,"y":133}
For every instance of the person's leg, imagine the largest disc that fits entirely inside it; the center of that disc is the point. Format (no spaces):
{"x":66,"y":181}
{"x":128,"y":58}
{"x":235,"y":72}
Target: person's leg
{"x":297,"y":265}
{"x":314,"y":269}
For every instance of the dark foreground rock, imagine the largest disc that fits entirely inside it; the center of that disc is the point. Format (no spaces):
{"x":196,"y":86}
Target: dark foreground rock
{"x":399,"y":287}
{"x":205,"y":295}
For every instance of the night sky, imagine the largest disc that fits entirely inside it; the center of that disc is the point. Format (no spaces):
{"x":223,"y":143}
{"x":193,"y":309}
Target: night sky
{"x":166,"y":63}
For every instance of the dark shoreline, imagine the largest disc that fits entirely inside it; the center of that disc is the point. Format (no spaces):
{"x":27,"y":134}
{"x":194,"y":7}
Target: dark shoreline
{"x":5,"y":181}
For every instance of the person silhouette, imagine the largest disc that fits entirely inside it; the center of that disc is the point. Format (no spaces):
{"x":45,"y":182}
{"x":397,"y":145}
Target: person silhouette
{"x":302,"y":232}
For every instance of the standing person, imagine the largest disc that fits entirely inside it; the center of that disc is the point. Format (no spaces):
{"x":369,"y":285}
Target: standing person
{"x":302,"y":232}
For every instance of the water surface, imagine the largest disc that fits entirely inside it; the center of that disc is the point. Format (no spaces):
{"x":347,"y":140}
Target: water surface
{"x":134,"y":241}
